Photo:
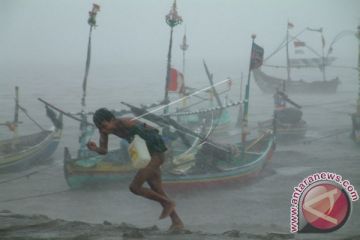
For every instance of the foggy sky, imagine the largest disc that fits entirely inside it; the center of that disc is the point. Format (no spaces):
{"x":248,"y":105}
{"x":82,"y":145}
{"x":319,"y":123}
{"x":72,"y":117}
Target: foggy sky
{"x":43,"y":32}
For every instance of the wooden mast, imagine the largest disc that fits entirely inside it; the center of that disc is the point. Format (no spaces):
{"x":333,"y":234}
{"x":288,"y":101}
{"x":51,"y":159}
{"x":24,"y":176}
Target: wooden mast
{"x":289,"y":25}
{"x":172,"y":19}
{"x":86,"y":130}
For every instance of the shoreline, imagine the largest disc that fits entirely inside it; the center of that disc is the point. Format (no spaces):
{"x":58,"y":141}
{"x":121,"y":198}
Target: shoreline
{"x":15,"y":226}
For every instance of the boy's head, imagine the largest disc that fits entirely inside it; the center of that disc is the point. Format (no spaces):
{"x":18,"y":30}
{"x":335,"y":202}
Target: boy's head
{"x":101,"y":115}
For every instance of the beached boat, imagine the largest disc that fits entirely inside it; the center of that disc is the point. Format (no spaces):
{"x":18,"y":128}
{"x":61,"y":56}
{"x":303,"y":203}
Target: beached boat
{"x":23,"y":151}
{"x":205,"y":163}
{"x":203,"y":167}
{"x":285,"y":131}
{"x":269,"y":84}
{"x":287,"y":121}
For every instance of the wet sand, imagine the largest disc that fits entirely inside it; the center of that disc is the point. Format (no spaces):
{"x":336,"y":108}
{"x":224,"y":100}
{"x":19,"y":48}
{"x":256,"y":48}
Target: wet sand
{"x":15,"y":226}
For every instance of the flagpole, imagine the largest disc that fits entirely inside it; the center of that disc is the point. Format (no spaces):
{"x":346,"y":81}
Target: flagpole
{"x":172,"y":19}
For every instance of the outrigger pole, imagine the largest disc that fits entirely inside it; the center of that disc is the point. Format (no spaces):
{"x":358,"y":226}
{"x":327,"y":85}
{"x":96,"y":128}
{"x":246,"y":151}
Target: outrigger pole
{"x":180,"y":99}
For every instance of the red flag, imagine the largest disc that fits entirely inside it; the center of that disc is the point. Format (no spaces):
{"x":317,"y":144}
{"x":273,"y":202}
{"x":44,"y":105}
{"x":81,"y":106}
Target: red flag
{"x":299,"y":44}
{"x":176,"y":83}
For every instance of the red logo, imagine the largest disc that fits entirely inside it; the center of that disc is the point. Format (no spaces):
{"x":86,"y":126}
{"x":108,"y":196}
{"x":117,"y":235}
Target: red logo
{"x":325,"y":207}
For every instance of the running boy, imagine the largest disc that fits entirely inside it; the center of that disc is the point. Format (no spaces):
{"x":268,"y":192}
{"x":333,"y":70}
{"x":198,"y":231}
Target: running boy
{"x":126,"y":128}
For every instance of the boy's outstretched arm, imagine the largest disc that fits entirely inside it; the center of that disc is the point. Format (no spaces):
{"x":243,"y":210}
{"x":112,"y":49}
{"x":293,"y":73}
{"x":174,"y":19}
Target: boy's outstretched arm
{"x":103,"y":145}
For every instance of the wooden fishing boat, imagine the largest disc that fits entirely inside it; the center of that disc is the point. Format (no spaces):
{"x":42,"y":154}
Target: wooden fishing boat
{"x":199,"y":170}
{"x":285,"y":131}
{"x":28,"y":150}
{"x":23,"y":151}
{"x":287,"y":121}
{"x":269,"y":84}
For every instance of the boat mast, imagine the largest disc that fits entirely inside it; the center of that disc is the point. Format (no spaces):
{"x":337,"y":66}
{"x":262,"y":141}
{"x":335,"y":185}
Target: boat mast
{"x":358,"y":100}
{"x":323,"y":54}
{"x":86,"y":130}
{"x":289,"y":25}
{"x":239,"y":119}
{"x":92,"y":23}
{"x":184,"y":46}
{"x":16,"y":114}
{"x":172,"y":19}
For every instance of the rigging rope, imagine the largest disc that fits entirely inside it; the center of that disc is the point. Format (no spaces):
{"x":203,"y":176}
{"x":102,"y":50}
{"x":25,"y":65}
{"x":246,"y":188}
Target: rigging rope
{"x":283,"y":44}
{"x":26,"y":113}
{"x":326,"y":136}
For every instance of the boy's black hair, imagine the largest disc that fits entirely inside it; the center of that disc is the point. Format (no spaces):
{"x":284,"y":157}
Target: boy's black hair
{"x":102,"y":114}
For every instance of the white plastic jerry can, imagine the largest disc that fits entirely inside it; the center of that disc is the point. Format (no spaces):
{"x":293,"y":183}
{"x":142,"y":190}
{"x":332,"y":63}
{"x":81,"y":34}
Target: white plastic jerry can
{"x":139,"y":152}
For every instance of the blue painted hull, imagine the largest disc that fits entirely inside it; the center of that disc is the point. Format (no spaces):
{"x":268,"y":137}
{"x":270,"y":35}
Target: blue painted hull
{"x":101,"y":172}
{"x":36,"y":152}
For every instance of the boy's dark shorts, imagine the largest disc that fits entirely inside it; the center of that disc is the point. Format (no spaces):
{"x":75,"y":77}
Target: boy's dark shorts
{"x":153,"y":139}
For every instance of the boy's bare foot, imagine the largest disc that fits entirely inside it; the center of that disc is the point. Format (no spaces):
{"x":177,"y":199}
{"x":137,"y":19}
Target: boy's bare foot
{"x":176,"y":227}
{"x":167,"y":210}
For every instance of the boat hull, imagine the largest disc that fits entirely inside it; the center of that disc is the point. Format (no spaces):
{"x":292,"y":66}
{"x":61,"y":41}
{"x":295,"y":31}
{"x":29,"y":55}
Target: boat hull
{"x":105,"y":173}
{"x":36,"y":152}
{"x":269,"y":84}
{"x":285,"y":132}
